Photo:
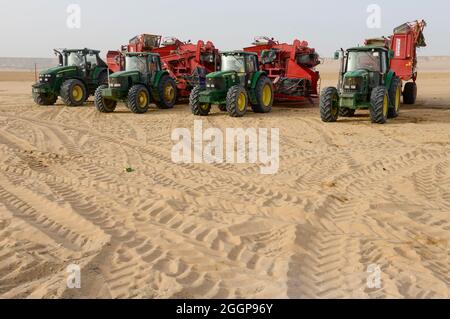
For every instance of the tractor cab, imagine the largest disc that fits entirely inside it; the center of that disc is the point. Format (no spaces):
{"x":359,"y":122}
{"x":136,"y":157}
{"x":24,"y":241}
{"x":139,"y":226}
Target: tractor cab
{"x":145,"y":63}
{"x":364,"y":68}
{"x":85,"y":60}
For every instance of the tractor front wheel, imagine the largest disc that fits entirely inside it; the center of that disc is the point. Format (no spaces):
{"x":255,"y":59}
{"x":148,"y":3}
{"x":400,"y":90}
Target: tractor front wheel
{"x":237,"y":101}
{"x":395,"y":95}
{"x":223,"y":107}
{"x":103,"y":105}
{"x":44,"y":99}
{"x":264,"y":95}
{"x":73,"y":92}
{"x":138,"y":99}
{"x":199,"y":109}
{"x":329,"y":105}
{"x":410,"y":93}
{"x":379,"y":105}
{"x":167,"y":93}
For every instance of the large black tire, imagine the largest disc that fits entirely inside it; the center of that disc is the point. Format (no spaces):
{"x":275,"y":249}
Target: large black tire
{"x":44,"y":99}
{"x":237,"y":101}
{"x":395,"y":96}
{"x":264,"y":98}
{"x":410,"y":93}
{"x":197,"y":108}
{"x":346,"y":112}
{"x":329,"y":105}
{"x":379,"y":105}
{"x":138,"y":99}
{"x":167,"y":93}
{"x":103,"y":105}
{"x":73,"y":92}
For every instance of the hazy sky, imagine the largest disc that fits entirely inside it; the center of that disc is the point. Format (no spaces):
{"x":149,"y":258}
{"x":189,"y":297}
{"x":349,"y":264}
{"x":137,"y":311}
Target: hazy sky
{"x":32,"y":28}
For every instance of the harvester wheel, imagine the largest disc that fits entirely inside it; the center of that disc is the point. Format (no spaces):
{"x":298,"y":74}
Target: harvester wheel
{"x":410,"y":93}
{"x":237,"y":101}
{"x":346,"y":112}
{"x":395,"y":96}
{"x":44,"y":99}
{"x":264,"y":95}
{"x":198,"y":108}
{"x":379,"y":105}
{"x":73,"y":92}
{"x":329,"y":105}
{"x":103,"y":105}
{"x":167,"y":93}
{"x":138,"y":99}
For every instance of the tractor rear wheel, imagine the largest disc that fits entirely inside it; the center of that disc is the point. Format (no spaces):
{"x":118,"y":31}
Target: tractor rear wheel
{"x":379,"y":105}
{"x":410,"y":93}
{"x":237,"y":101}
{"x":395,"y":96}
{"x":167,"y":93}
{"x":264,"y":95}
{"x":138,"y":99}
{"x":44,"y":99}
{"x":199,"y":109}
{"x":103,"y":105}
{"x":73,"y":92}
{"x":346,"y":112}
{"x":329,"y":105}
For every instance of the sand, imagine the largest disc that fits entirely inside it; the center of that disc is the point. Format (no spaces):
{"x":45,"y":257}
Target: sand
{"x":348,"y":197}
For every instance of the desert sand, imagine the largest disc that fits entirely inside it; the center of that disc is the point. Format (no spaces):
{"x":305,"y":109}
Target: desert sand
{"x":348,"y":196}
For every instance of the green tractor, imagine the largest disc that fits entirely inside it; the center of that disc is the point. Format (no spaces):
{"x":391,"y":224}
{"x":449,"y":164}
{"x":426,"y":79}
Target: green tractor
{"x":142,"y":81}
{"x":78,"y":75}
{"x":238,"y":84}
{"x":365,"y":82}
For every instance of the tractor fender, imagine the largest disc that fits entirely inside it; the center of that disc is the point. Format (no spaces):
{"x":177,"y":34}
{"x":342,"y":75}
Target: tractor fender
{"x":388,"y":79}
{"x":158,"y":77}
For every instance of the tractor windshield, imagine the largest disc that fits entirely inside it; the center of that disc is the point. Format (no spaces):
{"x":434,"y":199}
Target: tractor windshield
{"x":367,"y":60}
{"x":233,"y":63}
{"x":136,"y":63}
{"x":75,"y":59}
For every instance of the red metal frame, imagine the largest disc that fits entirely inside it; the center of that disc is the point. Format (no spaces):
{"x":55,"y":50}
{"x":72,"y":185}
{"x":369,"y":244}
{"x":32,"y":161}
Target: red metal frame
{"x":183,"y":60}
{"x":287,"y":66}
{"x":405,"y":41}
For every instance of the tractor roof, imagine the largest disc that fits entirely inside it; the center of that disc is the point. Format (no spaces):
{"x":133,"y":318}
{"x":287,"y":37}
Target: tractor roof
{"x":238,"y":53}
{"x":78,"y":50}
{"x":141,"y":54}
{"x":368,"y":48}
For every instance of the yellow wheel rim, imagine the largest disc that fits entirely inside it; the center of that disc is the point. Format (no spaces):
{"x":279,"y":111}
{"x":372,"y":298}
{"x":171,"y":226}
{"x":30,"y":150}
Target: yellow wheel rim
{"x":204,"y":106}
{"x":142,"y":99}
{"x":242,"y":101}
{"x":267,"y":95}
{"x":397,"y":98}
{"x":169,"y":93}
{"x":77,"y":93}
{"x":385,"y":105}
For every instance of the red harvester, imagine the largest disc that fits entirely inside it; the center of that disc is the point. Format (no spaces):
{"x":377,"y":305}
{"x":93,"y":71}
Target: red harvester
{"x":291,"y":67}
{"x":186,"y":62}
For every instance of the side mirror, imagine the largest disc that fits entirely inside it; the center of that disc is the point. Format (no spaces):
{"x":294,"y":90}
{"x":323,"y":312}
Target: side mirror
{"x":337,"y":55}
{"x":391,"y":54}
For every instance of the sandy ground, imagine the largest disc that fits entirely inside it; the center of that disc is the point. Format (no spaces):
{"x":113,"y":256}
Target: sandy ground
{"x":347,"y":196}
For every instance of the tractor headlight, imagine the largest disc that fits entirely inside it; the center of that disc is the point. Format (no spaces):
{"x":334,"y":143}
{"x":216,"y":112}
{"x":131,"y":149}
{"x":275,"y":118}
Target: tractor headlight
{"x":353,"y":84}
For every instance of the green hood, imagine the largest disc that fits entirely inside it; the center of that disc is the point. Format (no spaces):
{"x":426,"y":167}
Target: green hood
{"x":124,"y":74}
{"x":59,"y":69}
{"x":220,"y":74}
{"x":357,"y":73}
